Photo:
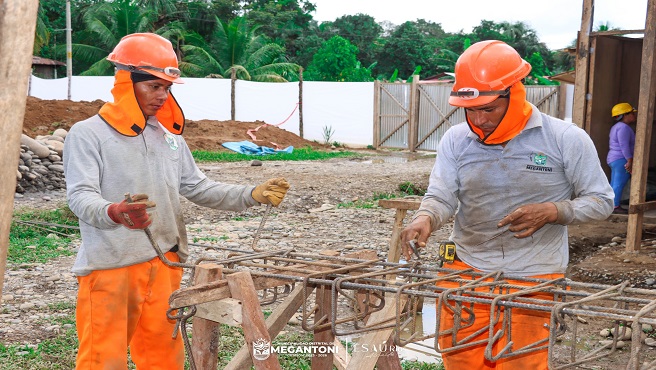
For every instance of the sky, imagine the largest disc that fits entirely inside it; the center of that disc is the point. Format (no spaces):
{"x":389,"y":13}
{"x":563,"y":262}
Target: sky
{"x":555,"y":21}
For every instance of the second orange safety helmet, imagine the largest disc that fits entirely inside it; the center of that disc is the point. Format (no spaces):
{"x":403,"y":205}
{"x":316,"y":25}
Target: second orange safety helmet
{"x":485,"y":71}
{"x":149,"y":53}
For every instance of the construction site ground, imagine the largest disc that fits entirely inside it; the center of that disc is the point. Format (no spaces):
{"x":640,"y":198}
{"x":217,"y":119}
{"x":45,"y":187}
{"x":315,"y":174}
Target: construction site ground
{"x":309,"y":219}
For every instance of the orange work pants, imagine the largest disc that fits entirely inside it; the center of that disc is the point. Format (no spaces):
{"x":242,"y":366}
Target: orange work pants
{"x":126,"y":307}
{"x":528,"y":326}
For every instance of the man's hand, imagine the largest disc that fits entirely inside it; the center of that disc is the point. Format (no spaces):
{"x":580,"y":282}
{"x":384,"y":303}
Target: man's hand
{"x":629,"y":165}
{"x":419,"y":229}
{"x":132,"y":215}
{"x":529,"y":218}
{"x":271,"y":192}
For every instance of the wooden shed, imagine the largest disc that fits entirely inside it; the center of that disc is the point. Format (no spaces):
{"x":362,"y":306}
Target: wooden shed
{"x":44,"y":67}
{"x":613,"y":67}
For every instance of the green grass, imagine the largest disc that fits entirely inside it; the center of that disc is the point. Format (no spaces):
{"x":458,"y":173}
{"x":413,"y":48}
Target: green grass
{"x":403,"y":189}
{"x":299,"y":154}
{"x":29,"y":243}
{"x":212,"y":239}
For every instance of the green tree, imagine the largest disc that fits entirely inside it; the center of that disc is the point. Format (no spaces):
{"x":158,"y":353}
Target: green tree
{"x":106,"y":23}
{"x":405,"y":50}
{"x":362,"y":31}
{"x":235,"y":45}
{"x":337,"y":61}
{"x":282,"y":21}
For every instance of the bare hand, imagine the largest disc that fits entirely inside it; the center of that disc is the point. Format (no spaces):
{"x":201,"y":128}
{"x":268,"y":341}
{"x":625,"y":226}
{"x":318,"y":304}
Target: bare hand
{"x":529,"y":218}
{"x":419,"y":229}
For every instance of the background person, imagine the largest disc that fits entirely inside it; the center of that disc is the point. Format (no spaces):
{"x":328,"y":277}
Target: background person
{"x":514,"y":178}
{"x":134,"y":145}
{"x":620,"y":151}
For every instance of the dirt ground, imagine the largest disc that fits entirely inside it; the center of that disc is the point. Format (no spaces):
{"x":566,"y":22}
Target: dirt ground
{"x":597,"y":249}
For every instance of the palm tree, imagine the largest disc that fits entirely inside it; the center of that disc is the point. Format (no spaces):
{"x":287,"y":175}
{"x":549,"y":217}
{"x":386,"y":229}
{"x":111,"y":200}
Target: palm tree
{"x":235,"y":46}
{"x":107,"y":23}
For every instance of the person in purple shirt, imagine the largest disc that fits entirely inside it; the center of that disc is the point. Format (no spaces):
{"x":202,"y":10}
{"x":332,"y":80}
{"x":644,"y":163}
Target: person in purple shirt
{"x":620,"y":152}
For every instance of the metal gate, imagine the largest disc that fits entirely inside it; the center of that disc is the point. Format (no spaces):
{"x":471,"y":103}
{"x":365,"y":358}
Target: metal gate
{"x":416,"y":115}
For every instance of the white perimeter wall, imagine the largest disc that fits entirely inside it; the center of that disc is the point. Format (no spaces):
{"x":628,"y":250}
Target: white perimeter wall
{"x":347,"y":107}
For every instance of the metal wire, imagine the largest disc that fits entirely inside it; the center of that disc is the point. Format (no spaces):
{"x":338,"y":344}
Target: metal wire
{"x":365,"y":285}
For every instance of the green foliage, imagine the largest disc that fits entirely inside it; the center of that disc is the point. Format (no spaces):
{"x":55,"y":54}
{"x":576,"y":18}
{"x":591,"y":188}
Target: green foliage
{"x":32,"y":243}
{"x":299,"y":154}
{"x":327,"y":133}
{"x":336,"y":60}
{"x":416,"y":365}
{"x":406,"y":49}
{"x":408,"y":188}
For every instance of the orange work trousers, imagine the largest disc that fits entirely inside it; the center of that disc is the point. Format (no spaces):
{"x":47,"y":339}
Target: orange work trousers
{"x":528,"y":326}
{"x":126,"y":307}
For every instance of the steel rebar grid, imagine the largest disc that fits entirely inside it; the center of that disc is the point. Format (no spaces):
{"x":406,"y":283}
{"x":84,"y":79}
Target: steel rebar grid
{"x":348,"y":276}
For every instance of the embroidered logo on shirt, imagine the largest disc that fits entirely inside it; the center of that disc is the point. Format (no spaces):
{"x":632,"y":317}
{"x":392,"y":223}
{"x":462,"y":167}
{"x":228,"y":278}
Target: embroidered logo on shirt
{"x":540,"y":161}
{"x":170,"y":139}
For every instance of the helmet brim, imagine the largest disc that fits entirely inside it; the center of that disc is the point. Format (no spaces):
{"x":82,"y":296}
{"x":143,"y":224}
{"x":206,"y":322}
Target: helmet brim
{"x":468,"y":103}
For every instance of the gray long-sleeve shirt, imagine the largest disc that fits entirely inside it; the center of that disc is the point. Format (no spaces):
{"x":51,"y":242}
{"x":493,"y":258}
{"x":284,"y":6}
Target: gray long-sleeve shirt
{"x":102,"y":165}
{"x":549,"y":161}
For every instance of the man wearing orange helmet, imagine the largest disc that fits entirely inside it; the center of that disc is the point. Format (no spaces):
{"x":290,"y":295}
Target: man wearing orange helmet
{"x":134,"y":145}
{"x":514,"y":178}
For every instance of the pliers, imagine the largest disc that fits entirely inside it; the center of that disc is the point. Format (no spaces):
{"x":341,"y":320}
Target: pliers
{"x":415,"y":249}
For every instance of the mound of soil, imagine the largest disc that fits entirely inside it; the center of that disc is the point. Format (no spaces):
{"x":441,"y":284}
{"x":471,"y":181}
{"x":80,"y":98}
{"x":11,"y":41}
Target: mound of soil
{"x":42,"y":117}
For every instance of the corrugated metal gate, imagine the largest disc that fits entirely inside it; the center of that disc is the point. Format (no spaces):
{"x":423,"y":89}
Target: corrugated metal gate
{"x":416,"y":115}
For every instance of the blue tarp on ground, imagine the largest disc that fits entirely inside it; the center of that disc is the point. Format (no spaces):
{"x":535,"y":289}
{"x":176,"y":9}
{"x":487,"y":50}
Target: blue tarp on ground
{"x":247,"y":147}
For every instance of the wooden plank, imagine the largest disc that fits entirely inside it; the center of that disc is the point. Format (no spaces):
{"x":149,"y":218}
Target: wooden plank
{"x":643,"y":129}
{"x":227,"y":311}
{"x":366,"y":360}
{"x":341,"y":357}
{"x":590,"y":95}
{"x":394,"y":253}
{"x":324,"y":336}
{"x":413,"y":125}
{"x":376,"y":142}
{"x":407,"y":203}
{"x":275,"y":323}
{"x":242,"y":288}
{"x":389,"y":359}
{"x":17,"y":23}
{"x":205,"y":342}
{"x":582,"y":63}
{"x":642,"y":207}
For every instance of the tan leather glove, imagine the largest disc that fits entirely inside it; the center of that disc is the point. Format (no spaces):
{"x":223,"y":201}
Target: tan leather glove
{"x":132,"y":215}
{"x":271,"y":191}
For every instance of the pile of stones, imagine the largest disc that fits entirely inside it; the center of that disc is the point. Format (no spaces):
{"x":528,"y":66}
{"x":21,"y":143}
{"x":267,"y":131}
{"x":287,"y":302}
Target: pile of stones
{"x":40,"y":167}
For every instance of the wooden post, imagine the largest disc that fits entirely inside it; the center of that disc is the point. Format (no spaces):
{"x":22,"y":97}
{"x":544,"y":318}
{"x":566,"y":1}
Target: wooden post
{"x":643,"y":129}
{"x":402,"y":205}
{"x":17,"y":24}
{"x":233,"y":82}
{"x":376,"y":142}
{"x":582,"y":64}
{"x":300,"y":102}
{"x":242,"y":288}
{"x":205,"y":342}
{"x":325,"y":335}
{"x":275,"y":323}
{"x":413,"y":125}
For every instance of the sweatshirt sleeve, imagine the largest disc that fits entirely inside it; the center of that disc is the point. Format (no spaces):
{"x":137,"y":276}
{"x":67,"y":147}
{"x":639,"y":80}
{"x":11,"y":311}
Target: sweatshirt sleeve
{"x":199,"y":189}
{"x":626,"y":138}
{"x":592,"y":197}
{"x":441,"y":199}
{"x":82,"y":169}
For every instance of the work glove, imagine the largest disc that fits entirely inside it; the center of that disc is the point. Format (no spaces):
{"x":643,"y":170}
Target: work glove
{"x":271,"y":191}
{"x":132,"y":215}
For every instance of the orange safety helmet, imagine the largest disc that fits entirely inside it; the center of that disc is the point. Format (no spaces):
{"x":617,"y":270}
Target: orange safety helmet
{"x":147,"y":53}
{"x":485,"y":71}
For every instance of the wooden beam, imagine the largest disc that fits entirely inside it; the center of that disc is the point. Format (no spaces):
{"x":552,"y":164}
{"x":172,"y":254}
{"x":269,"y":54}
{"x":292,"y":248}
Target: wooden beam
{"x":366,"y":360}
{"x":582,"y":64}
{"x":17,"y":24}
{"x":323,"y":335}
{"x":242,"y":288}
{"x":376,"y":142}
{"x":274,"y":323}
{"x":227,"y":311}
{"x":205,"y":342}
{"x":643,"y":129}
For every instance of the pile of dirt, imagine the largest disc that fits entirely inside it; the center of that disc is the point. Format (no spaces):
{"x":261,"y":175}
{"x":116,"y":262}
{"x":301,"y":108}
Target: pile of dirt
{"x":42,"y":117}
